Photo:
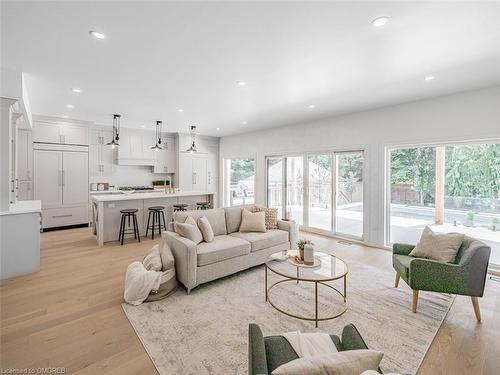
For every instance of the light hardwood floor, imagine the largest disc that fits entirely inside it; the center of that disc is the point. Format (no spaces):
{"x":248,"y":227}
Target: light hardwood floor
{"x":69,"y":314}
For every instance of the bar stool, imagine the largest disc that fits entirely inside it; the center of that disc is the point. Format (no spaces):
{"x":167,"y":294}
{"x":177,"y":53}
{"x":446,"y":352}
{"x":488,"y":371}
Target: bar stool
{"x":180,"y":207}
{"x":126,"y":215}
{"x":156,"y":211}
{"x":202,"y":205}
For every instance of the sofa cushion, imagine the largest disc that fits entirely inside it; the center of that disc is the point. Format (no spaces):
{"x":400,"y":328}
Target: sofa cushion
{"x":233,"y":217}
{"x":221,"y":248}
{"x":263,"y":240}
{"x":401,"y":264}
{"x":216,"y":217}
{"x":252,"y":221}
{"x":189,"y":229}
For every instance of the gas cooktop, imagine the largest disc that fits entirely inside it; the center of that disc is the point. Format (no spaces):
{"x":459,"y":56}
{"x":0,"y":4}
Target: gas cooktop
{"x":136,"y":188}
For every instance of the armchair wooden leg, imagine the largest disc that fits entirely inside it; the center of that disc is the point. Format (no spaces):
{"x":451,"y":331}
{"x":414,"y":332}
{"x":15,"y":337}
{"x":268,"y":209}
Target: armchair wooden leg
{"x":396,"y":283}
{"x":415,"y":301}
{"x":477,"y":311}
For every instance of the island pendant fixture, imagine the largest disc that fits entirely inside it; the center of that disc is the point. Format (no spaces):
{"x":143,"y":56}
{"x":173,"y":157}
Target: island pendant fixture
{"x":192,"y":148}
{"x":116,"y":132}
{"x":157,"y":146}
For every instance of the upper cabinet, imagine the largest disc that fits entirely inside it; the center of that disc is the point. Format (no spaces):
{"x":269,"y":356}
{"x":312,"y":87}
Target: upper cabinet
{"x":135,"y":148}
{"x":101,"y":156}
{"x":64,"y":133}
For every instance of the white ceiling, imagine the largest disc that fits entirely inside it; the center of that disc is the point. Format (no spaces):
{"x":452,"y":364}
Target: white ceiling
{"x":161,"y":56}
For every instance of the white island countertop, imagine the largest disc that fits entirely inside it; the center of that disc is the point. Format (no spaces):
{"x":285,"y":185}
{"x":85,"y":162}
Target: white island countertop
{"x":145,"y":195}
{"x":23,"y":207}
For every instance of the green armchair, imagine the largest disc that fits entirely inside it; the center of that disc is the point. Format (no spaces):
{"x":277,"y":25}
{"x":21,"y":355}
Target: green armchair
{"x":466,"y":276}
{"x":265,"y":354}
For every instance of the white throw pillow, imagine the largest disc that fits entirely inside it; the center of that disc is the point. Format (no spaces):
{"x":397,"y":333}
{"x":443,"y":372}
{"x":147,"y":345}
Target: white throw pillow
{"x":349,"y":362}
{"x":252,"y":221}
{"x":442,"y":247}
{"x":206,"y":229}
{"x":152,"y":261}
{"x":189,"y":229}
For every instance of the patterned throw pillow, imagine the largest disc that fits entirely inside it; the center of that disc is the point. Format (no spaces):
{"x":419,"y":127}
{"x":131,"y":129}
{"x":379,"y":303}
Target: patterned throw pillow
{"x":271,"y":216}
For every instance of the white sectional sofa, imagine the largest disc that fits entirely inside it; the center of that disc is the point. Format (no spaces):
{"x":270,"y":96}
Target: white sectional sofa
{"x":230,"y":252}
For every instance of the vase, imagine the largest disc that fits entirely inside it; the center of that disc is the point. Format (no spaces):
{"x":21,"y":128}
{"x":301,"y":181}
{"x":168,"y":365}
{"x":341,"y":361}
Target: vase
{"x":308,"y":254}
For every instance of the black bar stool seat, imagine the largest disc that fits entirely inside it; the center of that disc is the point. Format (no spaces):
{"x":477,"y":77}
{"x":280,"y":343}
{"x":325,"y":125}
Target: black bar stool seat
{"x":202,"y":205}
{"x":158,"y":215}
{"x":180,"y":207}
{"x":127,"y":214}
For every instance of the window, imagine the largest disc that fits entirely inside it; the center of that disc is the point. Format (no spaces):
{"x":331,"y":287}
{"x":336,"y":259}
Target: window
{"x":452,"y":188}
{"x":239,"y":184}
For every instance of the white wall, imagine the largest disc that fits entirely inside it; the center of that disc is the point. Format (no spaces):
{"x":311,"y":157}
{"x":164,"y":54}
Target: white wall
{"x":465,"y":116}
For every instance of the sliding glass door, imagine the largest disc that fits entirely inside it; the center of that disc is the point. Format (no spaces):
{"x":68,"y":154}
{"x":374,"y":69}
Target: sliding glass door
{"x":295,"y":189}
{"x":321,"y":192}
{"x":349,"y":193}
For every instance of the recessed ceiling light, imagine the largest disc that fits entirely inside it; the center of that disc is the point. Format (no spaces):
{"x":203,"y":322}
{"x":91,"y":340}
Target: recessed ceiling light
{"x":97,"y":34}
{"x":143,"y":126}
{"x":76,"y":90}
{"x":241,"y":83}
{"x":217,"y":129}
{"x":380,"y":21}
{"x":70,"y":106}
{"x":311,"y":106}
{"x":65,"y":116}
{"x":198,"y":133}
{"x":429,"y":78}
{"x":180,"y":110}
{"x":243,"y":123}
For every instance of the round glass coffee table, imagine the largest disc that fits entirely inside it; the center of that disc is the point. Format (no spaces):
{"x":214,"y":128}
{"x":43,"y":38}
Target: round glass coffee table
{"x":327,"y":268}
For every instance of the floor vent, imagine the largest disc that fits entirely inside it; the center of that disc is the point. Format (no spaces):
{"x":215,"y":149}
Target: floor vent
{"x":345,"y":242}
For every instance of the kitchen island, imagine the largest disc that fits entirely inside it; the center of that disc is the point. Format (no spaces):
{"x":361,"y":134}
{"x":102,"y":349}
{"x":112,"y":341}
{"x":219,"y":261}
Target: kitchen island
{"x":106,"y":216}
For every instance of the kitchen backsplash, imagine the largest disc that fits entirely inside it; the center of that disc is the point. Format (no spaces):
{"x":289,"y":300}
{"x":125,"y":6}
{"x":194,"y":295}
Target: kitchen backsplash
{"x":129,"y":176}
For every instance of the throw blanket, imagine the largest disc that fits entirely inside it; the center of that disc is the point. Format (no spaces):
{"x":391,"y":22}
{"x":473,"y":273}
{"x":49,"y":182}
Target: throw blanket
{"x":139,"y":282}
{"x":310,"y":344}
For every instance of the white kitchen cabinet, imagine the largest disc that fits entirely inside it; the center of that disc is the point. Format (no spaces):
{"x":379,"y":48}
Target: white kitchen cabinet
{"x":48,"y":132}
{"x":165,"y":158}
{"x":75,"y":178}
{"x":48,"y":177}
{"x":192,"y":172}
{"x":24,"y":156}
{"x":61,"y":183}
{"x":212,"y":171}
{"x":102,"y":156}
{"x":135,"y":148}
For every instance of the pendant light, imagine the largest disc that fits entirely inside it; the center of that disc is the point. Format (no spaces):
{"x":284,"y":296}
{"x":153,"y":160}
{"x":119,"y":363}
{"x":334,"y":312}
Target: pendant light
{"x":116,"y":132}
{"x":192,"y":148}
{"x":157,"y":147}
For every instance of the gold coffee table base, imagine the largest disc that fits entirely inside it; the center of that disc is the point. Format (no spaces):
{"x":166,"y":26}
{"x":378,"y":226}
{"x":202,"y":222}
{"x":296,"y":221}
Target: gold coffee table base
{"x":316,"y":318}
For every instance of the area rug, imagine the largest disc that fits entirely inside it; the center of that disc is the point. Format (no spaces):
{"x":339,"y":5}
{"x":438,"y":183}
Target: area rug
{"x":206,"y":332}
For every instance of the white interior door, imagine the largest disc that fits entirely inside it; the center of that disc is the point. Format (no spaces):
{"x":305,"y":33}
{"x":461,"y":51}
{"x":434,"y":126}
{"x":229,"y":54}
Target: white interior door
{"x":75,"y":178}
{"x":199,"y":174}
{"x":48,"y":177}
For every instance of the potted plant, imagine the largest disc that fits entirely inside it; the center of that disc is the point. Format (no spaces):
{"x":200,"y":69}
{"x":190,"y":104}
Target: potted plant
{"x":301,"y":244}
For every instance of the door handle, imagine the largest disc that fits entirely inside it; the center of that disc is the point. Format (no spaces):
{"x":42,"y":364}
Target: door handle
{"x":59,"y":216}
{"x":63,"y":178}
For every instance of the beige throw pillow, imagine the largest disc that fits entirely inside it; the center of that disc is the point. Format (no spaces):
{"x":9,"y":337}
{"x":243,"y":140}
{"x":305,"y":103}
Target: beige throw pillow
{"x":442,"y":247}
{"x":152,"y":261}
{"x":189,"y":229}
{"x":349,"y":362}
{"x":252,"y":221}
{"x":205,"y":229}
{"x":271,"y":216}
